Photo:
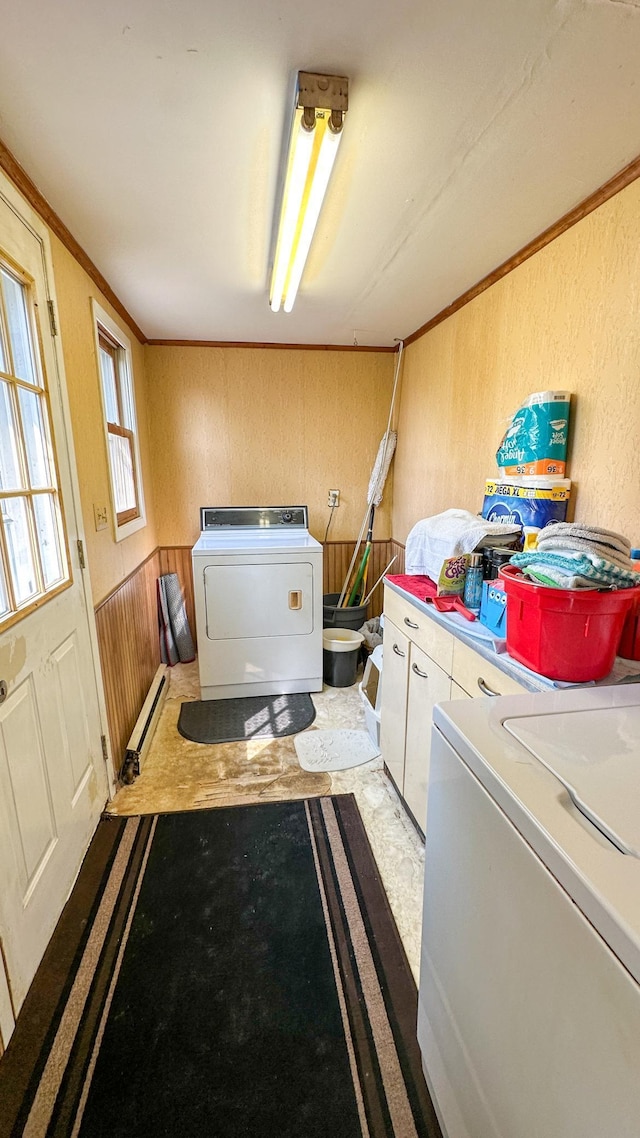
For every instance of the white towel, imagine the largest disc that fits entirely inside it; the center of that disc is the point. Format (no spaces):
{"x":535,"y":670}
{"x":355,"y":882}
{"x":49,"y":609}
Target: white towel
{"x":592,"y":534}
{"x":450,"y":534}
{"x":590,"y":548}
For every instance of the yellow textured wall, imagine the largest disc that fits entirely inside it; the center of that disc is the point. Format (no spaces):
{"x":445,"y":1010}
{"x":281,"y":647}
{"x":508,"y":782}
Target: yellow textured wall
{"x":109,"y":561}
{"x":251,"y":426}
{"x":568,"y":318}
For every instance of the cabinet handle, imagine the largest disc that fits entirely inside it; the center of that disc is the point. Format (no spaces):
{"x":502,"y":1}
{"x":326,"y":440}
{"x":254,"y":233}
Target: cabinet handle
{"x":423,"y":675}
{"x":410,"y":623}
{"x":485,"y":689}
{"x":398,"y":652}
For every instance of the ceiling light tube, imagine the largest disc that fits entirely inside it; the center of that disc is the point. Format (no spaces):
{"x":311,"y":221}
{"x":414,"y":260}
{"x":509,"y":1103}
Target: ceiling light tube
{"x":318,"y":188}
{"x":321,"y":102}
{"x":300,"y":152}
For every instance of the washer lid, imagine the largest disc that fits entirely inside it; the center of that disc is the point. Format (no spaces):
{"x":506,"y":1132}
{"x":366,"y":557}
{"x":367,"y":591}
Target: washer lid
{"x":595,"y":753}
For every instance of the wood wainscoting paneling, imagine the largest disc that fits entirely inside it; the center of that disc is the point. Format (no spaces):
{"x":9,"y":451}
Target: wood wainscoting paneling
{"x":177,"y":559}
{"x":337,"y":558}
{"x":397,"y":551}
{"x":127,"y":627}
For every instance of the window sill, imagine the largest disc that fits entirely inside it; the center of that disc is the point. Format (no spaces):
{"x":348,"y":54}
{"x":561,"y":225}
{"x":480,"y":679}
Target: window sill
{"x":129,"y":528}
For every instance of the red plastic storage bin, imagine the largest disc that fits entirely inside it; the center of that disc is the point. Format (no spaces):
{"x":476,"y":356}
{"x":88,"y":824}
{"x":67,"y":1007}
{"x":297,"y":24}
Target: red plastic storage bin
{"x":565,"y":634}
{"x":629,"y":646}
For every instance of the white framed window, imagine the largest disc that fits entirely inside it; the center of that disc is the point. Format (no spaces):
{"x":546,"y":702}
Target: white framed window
{"x":115,"y":368}
{"x":34,"y":562}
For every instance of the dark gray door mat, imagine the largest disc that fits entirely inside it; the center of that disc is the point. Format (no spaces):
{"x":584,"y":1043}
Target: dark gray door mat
{"x":249,"y":717}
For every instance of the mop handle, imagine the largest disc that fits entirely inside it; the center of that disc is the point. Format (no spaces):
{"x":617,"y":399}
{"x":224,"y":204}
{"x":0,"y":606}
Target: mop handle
{"x":370,"y":594}
{"x":353,"y":559}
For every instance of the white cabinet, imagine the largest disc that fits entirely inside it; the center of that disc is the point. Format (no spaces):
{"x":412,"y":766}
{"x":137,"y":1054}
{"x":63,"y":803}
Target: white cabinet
{"x":424,"y":664}
{"x":477,"y":677}
{"x":413,"y":683}
{"x":428,"y":685}
{"x":393,"y":715}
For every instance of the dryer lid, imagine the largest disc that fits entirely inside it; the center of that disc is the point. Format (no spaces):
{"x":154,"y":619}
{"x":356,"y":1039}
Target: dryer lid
{"x":595,"y":753}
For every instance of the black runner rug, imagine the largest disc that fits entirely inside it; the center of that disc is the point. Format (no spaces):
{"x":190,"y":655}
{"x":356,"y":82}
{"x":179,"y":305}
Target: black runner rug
{"x":237,"y":972}
{"x":247,"y":717}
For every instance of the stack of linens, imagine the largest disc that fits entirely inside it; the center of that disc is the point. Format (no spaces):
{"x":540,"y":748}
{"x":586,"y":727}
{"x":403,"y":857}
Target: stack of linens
{"x":571,"y":556}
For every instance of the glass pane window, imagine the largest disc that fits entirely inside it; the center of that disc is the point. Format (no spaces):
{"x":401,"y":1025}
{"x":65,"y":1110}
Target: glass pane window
{"x":109,"y":384}
{"x":19,"y":549}
{"x":10,"y":474}
{"x":33,"y":548}
{"x":20,"y":337}
{"x":122,"y":472}
{"x":47,"y":530}
{"x":35,"y":439}
{"x":115,"y":369}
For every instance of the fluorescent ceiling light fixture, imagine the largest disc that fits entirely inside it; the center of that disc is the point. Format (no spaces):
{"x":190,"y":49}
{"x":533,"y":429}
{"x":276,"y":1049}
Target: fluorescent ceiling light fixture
{"x":316,"y":130}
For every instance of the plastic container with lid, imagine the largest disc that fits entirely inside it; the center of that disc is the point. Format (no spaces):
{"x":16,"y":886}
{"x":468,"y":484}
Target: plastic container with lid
{"x":564,"y":634}
{"x":492,"y":558}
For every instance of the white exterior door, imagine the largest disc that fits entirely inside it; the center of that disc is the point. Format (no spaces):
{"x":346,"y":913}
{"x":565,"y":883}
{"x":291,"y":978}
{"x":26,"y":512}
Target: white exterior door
{"x":53,"y":781}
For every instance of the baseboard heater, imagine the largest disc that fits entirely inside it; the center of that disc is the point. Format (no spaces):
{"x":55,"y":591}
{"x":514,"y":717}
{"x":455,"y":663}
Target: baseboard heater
{"x":145,"y":725}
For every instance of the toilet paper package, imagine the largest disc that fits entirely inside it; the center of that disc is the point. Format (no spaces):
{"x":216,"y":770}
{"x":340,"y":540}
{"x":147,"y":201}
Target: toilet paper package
{"x":535,"y":442}
{"x":526,"y":501}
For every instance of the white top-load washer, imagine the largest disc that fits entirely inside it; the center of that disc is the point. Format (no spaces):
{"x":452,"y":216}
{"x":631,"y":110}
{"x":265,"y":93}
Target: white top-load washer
{"x":257,"y":575}
{"x":529,"y":1007}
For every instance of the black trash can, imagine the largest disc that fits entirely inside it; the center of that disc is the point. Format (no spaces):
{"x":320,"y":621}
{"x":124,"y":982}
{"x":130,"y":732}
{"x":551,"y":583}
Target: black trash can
{"x":352,"y":616}
{"x":340,"y":652}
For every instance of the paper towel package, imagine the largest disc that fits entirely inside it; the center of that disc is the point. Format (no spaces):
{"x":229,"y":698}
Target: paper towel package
{"x":535,"y":442}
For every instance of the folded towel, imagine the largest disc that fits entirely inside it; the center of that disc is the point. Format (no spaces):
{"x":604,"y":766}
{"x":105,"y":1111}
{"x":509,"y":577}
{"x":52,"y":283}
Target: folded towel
{"x":449,"y":534}
{"x":592,"y":534}
{"x":556,"y":578}
{"x":578,"y":545}
{"x":597,"y":571}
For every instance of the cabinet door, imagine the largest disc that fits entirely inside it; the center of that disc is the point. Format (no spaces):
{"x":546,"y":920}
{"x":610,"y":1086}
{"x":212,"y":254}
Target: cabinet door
{"x":428,"y":685}
{"x":394,"y":701}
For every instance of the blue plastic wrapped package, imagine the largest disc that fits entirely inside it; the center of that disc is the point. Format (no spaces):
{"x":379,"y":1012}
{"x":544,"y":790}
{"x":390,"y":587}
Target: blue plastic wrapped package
{"x":527,"y":501}
{"x":535,"y":442}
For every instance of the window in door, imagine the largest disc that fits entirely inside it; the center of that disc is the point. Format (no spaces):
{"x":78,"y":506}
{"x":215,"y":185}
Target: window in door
{"x":33,"y":549}
{"x":119,"y":412}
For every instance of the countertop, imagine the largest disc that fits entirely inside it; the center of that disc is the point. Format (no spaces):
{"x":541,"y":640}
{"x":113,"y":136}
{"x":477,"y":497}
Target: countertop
{"x":493,"y":649}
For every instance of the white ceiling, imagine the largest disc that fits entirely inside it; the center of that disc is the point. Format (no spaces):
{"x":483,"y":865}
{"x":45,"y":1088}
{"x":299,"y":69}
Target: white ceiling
{"x":154,"y":129}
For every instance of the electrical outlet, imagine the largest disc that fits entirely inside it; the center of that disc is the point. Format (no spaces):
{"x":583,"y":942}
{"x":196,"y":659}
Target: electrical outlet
{"x":334,"y":498}
{"x":101,"y":517}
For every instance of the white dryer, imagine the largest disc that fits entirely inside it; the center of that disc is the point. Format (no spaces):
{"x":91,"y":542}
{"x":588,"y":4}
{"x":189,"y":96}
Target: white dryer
{"x":257,"y":575}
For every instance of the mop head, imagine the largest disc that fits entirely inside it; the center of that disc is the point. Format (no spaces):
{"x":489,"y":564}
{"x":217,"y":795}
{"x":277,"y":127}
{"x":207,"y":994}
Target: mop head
{"x":381,"y":467}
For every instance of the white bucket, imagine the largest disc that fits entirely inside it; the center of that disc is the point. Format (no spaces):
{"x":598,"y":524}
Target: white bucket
{"x":341,"y":639}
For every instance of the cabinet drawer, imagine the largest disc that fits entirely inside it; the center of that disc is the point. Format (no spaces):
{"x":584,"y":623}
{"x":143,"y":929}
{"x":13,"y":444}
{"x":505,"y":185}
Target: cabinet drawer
{"x":429,"y":636}
{"x":469,"y":668}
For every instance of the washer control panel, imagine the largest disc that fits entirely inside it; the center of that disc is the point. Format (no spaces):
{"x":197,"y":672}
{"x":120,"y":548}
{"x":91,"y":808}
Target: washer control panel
{"x":253,"y":517}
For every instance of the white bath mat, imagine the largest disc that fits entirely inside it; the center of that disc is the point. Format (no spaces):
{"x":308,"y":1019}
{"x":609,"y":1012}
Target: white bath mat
{"x":334,"y":750}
